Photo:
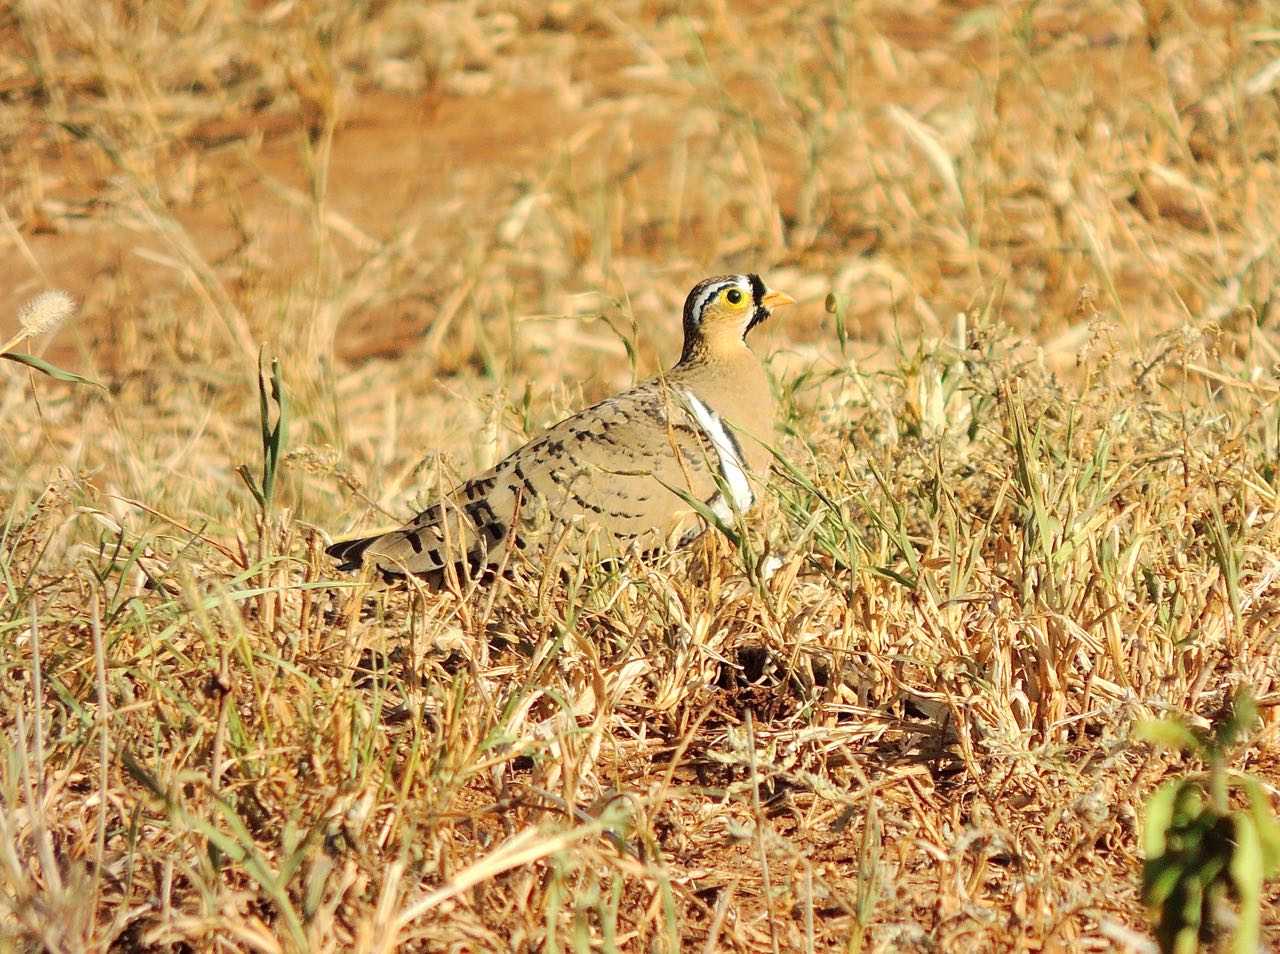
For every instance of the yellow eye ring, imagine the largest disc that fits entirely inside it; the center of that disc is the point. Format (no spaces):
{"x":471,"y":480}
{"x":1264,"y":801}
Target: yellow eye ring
{"x":733,"y":296}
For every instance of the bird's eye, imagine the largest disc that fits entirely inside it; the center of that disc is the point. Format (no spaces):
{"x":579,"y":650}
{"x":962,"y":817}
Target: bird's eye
{"x":733,"y":296}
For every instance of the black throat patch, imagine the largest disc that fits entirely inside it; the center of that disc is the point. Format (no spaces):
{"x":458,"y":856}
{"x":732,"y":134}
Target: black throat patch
{"x":758,"y":311}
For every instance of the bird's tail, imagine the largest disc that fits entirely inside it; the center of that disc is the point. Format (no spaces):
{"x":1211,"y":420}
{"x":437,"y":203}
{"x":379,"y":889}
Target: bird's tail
{"x":351,"y":552}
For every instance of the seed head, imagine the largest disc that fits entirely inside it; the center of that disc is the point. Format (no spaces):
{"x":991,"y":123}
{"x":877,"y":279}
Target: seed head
{"x":46,"y":312}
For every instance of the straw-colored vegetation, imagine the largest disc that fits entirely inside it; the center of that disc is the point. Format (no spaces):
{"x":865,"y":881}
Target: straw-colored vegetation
{"x":1025,"y":494}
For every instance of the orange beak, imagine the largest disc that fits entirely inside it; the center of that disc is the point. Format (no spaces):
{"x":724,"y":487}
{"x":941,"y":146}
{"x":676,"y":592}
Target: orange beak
{"x":773,"y":299}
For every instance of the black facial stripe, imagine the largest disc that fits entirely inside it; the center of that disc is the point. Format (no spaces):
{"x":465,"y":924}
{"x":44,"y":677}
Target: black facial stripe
{"x":758,"y":313}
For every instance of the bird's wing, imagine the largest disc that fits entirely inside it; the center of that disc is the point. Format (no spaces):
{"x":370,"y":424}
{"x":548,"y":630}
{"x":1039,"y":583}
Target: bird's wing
{"x":606,"y":473}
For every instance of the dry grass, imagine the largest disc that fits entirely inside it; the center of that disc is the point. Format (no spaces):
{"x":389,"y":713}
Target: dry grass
{"x":1026,"y":492}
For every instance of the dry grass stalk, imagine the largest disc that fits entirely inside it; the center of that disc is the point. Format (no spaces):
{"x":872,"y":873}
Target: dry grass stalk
{"x":1005,"y":536}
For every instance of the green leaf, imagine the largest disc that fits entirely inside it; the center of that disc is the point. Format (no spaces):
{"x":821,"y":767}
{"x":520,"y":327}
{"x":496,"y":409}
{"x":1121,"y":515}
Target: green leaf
{"x":139,"y":774}
{"x":1170,"y":733}
{"x":1266,"y":823}
{"x":273,"y":438}
{"x":1246,"y":875}
{"x":1160,"y":878}
{"x":1191,"y":916}
{"x":252,"y":484}
{"x":837,"y":305}
{"x":1159,"y":819}
{"x":1187,"y":941}
{"x":44,"y":367}
{"x":270,"y":391}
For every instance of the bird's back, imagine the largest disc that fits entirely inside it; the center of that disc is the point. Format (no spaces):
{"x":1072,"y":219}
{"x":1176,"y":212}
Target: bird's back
{"x":609,"y":473}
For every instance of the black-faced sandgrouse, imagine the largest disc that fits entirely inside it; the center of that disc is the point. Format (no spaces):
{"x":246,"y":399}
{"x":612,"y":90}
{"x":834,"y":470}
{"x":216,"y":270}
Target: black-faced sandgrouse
{"x":608,"y":480}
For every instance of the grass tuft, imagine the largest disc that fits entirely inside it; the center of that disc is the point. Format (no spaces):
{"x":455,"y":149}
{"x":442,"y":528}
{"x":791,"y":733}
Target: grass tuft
{"x":1024,"y":497}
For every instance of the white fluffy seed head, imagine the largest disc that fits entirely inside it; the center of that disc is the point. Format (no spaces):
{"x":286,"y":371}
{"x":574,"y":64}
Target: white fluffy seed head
{"x":46,"y":312}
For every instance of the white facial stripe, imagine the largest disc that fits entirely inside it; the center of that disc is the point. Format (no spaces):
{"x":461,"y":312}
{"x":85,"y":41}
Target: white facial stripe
{"x":731,"y":467}
{"x":708,"y":293}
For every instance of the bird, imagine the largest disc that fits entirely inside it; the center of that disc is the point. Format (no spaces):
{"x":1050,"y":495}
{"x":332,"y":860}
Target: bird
{"x":620,"y":476}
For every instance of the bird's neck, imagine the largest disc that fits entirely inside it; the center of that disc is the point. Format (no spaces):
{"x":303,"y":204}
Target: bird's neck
{"x":727,"y":350}
{"x":733,"y":383}
{"x":736,"y":367}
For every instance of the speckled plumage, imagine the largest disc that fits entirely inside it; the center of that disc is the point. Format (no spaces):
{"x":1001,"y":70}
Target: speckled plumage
{"x":605,"y":478}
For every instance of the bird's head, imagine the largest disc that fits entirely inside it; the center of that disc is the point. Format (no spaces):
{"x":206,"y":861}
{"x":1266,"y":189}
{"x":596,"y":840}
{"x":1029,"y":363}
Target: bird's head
{"x":719,"y":312}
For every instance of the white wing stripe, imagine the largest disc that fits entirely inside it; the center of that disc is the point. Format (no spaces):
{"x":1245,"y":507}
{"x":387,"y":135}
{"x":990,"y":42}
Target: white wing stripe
{"x":731,"y":467}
